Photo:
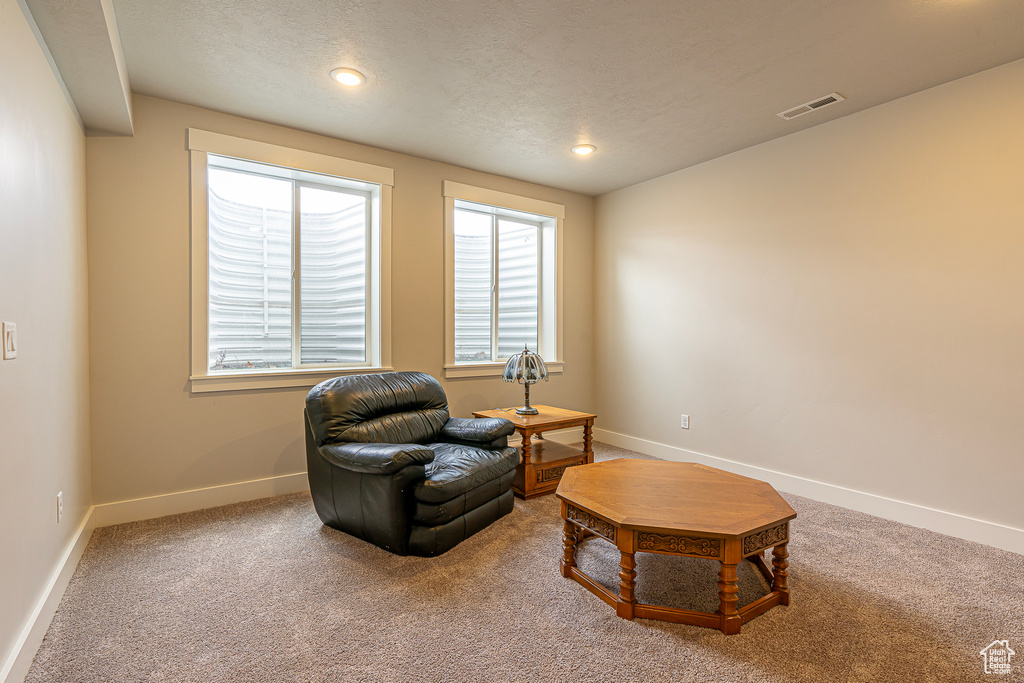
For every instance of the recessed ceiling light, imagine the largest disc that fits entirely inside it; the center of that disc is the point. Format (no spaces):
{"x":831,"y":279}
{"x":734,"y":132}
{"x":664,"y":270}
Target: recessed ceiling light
{"x":349,"y":77}
{"x":584,"y":150}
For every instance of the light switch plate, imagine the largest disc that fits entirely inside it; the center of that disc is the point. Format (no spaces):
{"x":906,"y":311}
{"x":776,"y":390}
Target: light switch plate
{"x":9,"y":335}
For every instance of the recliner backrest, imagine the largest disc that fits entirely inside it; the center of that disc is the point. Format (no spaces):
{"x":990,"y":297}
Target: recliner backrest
{"x":391,"y":407}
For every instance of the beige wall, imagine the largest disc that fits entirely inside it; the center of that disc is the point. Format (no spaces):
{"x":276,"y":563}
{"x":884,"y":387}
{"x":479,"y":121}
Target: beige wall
{"x":44,"y":416}
{"x":150,"y":434}
{"x":845,"y":304}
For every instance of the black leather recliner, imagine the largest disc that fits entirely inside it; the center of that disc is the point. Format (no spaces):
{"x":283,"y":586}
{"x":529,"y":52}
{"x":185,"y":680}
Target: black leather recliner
{"x":387,"y":464}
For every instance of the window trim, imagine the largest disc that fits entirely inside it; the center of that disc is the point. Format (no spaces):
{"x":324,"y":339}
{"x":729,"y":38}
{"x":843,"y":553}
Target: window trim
{"x":550,"y":329}
{"x":200,"y":144}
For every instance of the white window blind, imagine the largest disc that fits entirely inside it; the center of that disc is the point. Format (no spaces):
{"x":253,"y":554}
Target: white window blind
{"x":250,"y":233}
{"x":474,"y":273}
{"x":262,"y":230}
{"x":333,"y":275}
{"x":497,"y":290}
{"x":518,"y":272}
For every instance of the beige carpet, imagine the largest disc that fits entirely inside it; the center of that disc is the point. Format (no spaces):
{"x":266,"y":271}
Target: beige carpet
{"x":261,"y":591}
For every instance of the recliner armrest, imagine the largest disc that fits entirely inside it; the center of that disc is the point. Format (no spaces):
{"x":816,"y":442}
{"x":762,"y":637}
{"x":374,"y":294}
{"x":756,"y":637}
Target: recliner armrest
{"x":376,"y":458}
{"x":478,"y":430}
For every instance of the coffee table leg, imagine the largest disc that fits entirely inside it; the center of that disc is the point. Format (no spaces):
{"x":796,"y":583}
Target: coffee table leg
{"x":727,"y":596}
{"x":569,"y":539}
{"x":780,"y":564}
{"x":627,"y":586}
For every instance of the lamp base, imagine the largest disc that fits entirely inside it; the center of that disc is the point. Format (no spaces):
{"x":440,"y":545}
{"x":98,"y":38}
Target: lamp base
{"x":526,"y":410}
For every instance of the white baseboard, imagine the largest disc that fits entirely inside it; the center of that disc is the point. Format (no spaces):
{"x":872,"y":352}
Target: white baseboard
{"x":570,"y":435}
{"x":15,"y":668}
{"x":107,"y":514}
{"x":949,"y":523}
{"x":197,"y":499}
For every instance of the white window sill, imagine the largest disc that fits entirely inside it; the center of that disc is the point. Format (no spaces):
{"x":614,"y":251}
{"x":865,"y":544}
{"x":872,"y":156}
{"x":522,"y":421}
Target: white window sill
{"x":273,"y":379}
{"x":490,"y":369}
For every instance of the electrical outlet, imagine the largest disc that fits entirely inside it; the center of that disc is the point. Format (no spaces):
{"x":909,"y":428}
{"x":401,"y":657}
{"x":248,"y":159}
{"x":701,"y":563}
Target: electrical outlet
{"x":60,"y":506}
{"x":684,"y":421}
{"x":9,"y":337}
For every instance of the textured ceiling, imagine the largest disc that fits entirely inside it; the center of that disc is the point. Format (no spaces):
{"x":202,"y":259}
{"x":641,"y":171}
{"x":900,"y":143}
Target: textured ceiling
{"x":509,"y":86}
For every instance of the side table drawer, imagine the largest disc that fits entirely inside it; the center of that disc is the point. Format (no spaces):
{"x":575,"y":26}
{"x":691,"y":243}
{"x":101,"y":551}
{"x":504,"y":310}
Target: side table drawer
{"x":555,"y":472}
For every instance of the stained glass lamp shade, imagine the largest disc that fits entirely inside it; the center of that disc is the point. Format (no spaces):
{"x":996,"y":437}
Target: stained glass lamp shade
{"x":527,"y":368}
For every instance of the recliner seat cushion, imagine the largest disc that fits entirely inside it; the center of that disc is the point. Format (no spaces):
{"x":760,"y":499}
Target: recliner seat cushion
{"x":457,"y":469}
{"x":390,"y":407}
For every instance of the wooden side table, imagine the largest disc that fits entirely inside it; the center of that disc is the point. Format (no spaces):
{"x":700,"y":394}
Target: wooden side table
{"x":542,"y":462}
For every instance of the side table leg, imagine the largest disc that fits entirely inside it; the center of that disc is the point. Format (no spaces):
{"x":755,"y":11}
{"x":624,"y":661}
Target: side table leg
{"x":627,"y":586}
{"x":527,"y":448}
{"x":569,"y":540}
{"x":780,"y":564}
{"x":588,"y":441}
{"x":529,"y":474}
{"x":727,"y":596}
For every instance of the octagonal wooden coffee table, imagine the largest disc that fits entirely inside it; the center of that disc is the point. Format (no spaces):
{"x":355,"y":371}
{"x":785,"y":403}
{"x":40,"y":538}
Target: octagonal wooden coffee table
{"x":677,"y":508}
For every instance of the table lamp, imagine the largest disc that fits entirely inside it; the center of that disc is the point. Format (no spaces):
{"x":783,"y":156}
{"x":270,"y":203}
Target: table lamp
{"x":527,"y":368}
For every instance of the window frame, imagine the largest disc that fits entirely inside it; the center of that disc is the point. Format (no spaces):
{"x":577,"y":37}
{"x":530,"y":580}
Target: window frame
{"x":504,"y":205}
{"x":379,"y":182}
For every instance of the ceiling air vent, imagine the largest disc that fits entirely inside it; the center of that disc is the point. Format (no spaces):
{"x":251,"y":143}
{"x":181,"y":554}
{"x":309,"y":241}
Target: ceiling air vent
{"x":808,"y":107}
